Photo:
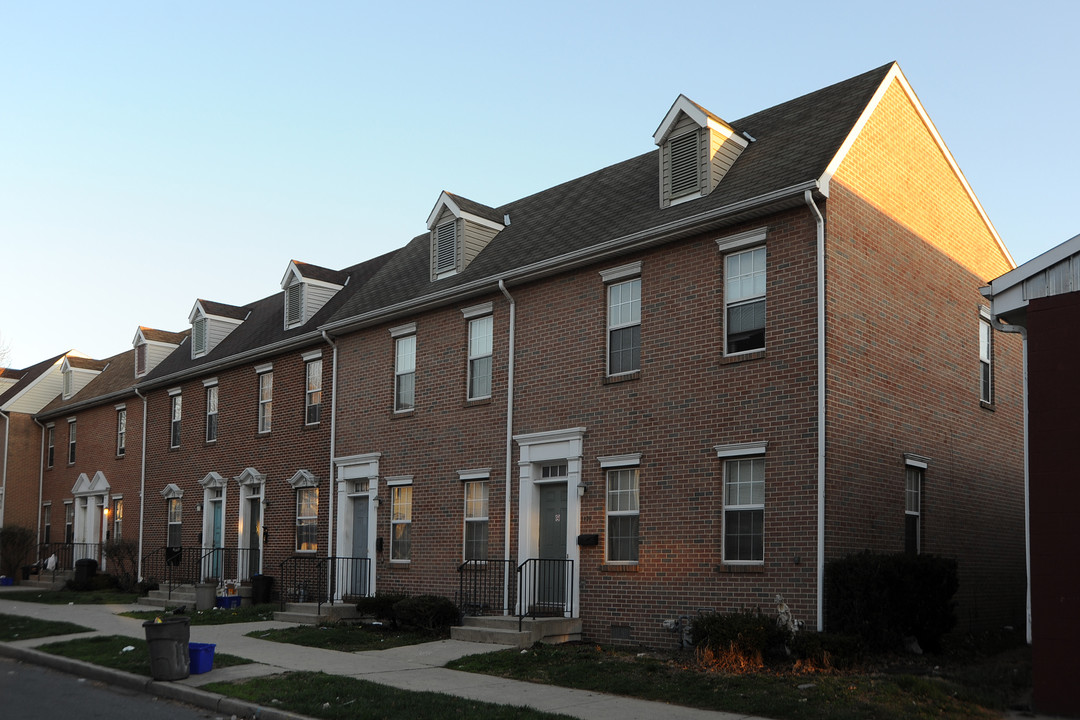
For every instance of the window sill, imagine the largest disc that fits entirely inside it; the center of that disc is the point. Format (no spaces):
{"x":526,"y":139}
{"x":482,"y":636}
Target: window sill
{"x":620,"y":568}
{"x":737,"y":569}
{"x":478,"y":401}
{"x":397,"y":414}
{"x":742,"y":357}
{"x":625,"y":377}
{"x":399,"y":564}
{"x":987,"y":405}
{"x":121,"y":457}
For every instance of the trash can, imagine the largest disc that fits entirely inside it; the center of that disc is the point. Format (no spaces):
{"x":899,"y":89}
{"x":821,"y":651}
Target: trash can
{"x":168,"y":642}
{"x":204,"y":596}
{"x":261,"y":589}
{"x":85,"y":569}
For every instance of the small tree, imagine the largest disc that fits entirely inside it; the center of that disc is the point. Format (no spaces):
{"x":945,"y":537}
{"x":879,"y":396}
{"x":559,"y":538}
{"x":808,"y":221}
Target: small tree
{"x":16,"y":544}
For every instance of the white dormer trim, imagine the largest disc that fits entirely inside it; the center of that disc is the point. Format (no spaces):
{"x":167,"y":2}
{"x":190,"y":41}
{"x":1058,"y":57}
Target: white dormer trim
{"x":313,"y":294}
{"x":703,"y":119}
{"x":74,"y":379}
{"x":447,"y":202}
{"x":303,"y":479}
{"x":154,"y":352}
{"x":216,"y":329}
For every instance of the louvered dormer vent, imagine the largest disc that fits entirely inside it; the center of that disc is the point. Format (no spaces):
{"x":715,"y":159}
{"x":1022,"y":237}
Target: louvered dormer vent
{"x":446,"y":247}
{"x":685,"y":155}
{"x":294,"y":304}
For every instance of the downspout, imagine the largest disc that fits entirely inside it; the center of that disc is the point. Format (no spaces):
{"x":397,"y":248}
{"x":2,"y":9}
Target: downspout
{"x":509,"y":444}
{"x":41,"y":480}
{"x":142,"y":483}
{"x":3,"y":478}
{"x":333,"y":438}
{"x":1022,"y":332}
{"x":820,"y":221}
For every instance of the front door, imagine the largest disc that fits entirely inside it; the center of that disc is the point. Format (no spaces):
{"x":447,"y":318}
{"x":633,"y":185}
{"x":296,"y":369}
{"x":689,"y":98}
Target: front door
{"x":254,"y":532}
{"x":552,"y":547}
{"x":217,"y":538}
{"x":357,"y":570}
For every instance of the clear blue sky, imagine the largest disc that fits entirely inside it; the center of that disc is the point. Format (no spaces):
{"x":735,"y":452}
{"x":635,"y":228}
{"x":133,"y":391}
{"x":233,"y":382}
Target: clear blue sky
{"x":152,"y":153}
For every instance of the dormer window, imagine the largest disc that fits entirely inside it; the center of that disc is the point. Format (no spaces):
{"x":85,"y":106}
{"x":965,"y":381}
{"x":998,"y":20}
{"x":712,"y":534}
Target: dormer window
{"x":198,"y":337}
{"x":683,"y":151}
{"x":152,"y":346}
{"x":460,"y":230}
{"x":307,"y":289}
{"x":294,"y":304}
{"x":696,"y":150}
{"x":446,"y":247}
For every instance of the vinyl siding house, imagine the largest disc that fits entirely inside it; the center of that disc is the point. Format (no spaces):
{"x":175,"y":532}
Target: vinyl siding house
{"x":1040,"y":302}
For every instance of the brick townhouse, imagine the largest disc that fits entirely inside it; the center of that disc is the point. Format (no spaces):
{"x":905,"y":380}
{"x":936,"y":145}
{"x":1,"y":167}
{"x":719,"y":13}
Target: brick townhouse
{"x":687,"y":380}
{"x":682,"y":382}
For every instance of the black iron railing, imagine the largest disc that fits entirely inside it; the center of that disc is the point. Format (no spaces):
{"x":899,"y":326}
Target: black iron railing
{"x":172,"y":567}
{"x":545,"y":588}
{"x":481,"y":585}
{"x":325,"y":580}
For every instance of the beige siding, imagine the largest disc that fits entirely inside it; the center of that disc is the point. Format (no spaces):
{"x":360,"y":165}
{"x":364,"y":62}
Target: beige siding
{"x":723,"y":152}
{"x":155,"y":353}
{"x":476,"y":239}
{"x":315,"y":296}
{"x":216,"y":331}
{"x":41,"y":394}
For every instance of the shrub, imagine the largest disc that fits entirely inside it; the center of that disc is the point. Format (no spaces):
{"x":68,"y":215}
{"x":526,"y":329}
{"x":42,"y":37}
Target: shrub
{"x":145,"y":586}
{"x":432,"y":613}
{"x":883,"y":598}
{"x":380,"y":606}
{"x":741,"y":639}
{"x":123,"y":558}
{"x":99,"y":581}
{"x":16,"y":543}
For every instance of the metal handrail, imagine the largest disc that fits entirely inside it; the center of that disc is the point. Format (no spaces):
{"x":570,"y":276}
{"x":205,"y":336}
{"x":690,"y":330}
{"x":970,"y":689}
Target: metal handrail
{"x":326,"y":580}
{"x":545,"y":588}
{"x":480,"y":586}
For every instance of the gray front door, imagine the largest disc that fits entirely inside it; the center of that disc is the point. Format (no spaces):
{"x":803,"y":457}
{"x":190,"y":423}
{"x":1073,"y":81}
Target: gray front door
{"x":357,"y":567}
{"x":217,"y":538}
{"x":553,"y":565}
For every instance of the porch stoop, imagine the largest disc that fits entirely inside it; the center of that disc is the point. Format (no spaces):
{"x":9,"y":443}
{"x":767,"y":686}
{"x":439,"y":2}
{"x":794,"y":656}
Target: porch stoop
{"x":308,"y":613}
{"x":503,"y":630}
{"x":181,"y":595}
{"x":45,"y":581}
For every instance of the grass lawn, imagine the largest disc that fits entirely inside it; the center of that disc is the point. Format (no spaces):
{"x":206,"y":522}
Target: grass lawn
{"x":216,"y":616}
{"x":16,"y":627}
{"x":109,"y":651}
{"x":79,"y":597}
{"x":979,"y":687}
{"x":332,"y":696}
{"x":345,"y":637}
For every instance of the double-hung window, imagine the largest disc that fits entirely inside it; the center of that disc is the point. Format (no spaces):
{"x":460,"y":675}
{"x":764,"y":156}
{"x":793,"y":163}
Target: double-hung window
{"x":986,"y":359}
{"x":266,"y":397}
{"x":211,"y":413}
{"x":69,"y":522}
{"x":744,"y":300}
{"x":313,"y":392}
{"x":118,"y":518}
{"x":476,"y":519}
{"x":176,"y":406}
{"x":71,"y":442}
{"x":51,"y":459}
{"x":307,"y":519}
{"x":400,"y":521}
{"x":914,"y":470}
{"x":623,"y":318}
{"x":744,"y":502}
{"x":121,"y":431}
{"x":480,"y":344}
{"x":622,"y":511}
{"x":46,"y":523}
{"x":404,"y":367}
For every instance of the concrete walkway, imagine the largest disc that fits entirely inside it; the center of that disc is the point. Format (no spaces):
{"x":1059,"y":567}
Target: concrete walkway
{"x":415,"y":667}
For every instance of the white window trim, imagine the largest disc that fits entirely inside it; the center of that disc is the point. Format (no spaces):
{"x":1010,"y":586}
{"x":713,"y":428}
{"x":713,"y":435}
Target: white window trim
{"x":210,"y":382}
{"x":311,"y":355}
{"x":391,"y":483}
{"x":174,"y":421}
{"x":620,"y":275}
{"x":476,"y":311}
{"x":622,"y":272}
{"x":215,"y":413}
{"x":471,"y":476}
{"x":735,"y":247}
{"x":742,"y":240}
{"x":296,"y":494}
{"x":121,"y":433}
{"x":403,"y":330}
{"x":308,"y":392}
{"x":736,"y":451}
{"x":630,"y":461}
{"x":264,"y":368}
{"x":73,"y":438}
{"x":469,"y":362}
{"x":265,"y":424}
{"x":398,"y":374}
{"x":984,"y":321}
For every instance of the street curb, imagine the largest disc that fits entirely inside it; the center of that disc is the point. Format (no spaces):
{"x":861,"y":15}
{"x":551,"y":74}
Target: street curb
{"x":182,"y":693}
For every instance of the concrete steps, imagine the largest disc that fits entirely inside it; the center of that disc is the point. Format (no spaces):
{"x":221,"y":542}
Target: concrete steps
{"x":181,"y":595}
{"x":309,"y":613}
{"x":503,"y":630}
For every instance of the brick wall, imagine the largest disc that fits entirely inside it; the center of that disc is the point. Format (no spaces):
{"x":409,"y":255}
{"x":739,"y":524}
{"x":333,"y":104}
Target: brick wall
{"x":907,"y":254}
{"x":23,"y":468}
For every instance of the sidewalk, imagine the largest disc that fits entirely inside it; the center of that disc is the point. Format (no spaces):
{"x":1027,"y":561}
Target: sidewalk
{"x":415,"y":667}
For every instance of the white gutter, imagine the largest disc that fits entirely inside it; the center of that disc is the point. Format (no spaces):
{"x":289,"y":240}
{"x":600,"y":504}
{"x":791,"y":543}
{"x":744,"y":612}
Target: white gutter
{"x":820,"y":221}
{"x":333,"y":437}
{"x":509,"y":444}
{"x":142,"y":484}
{"x":1022,"y":332}
{"x":3,"y":478}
